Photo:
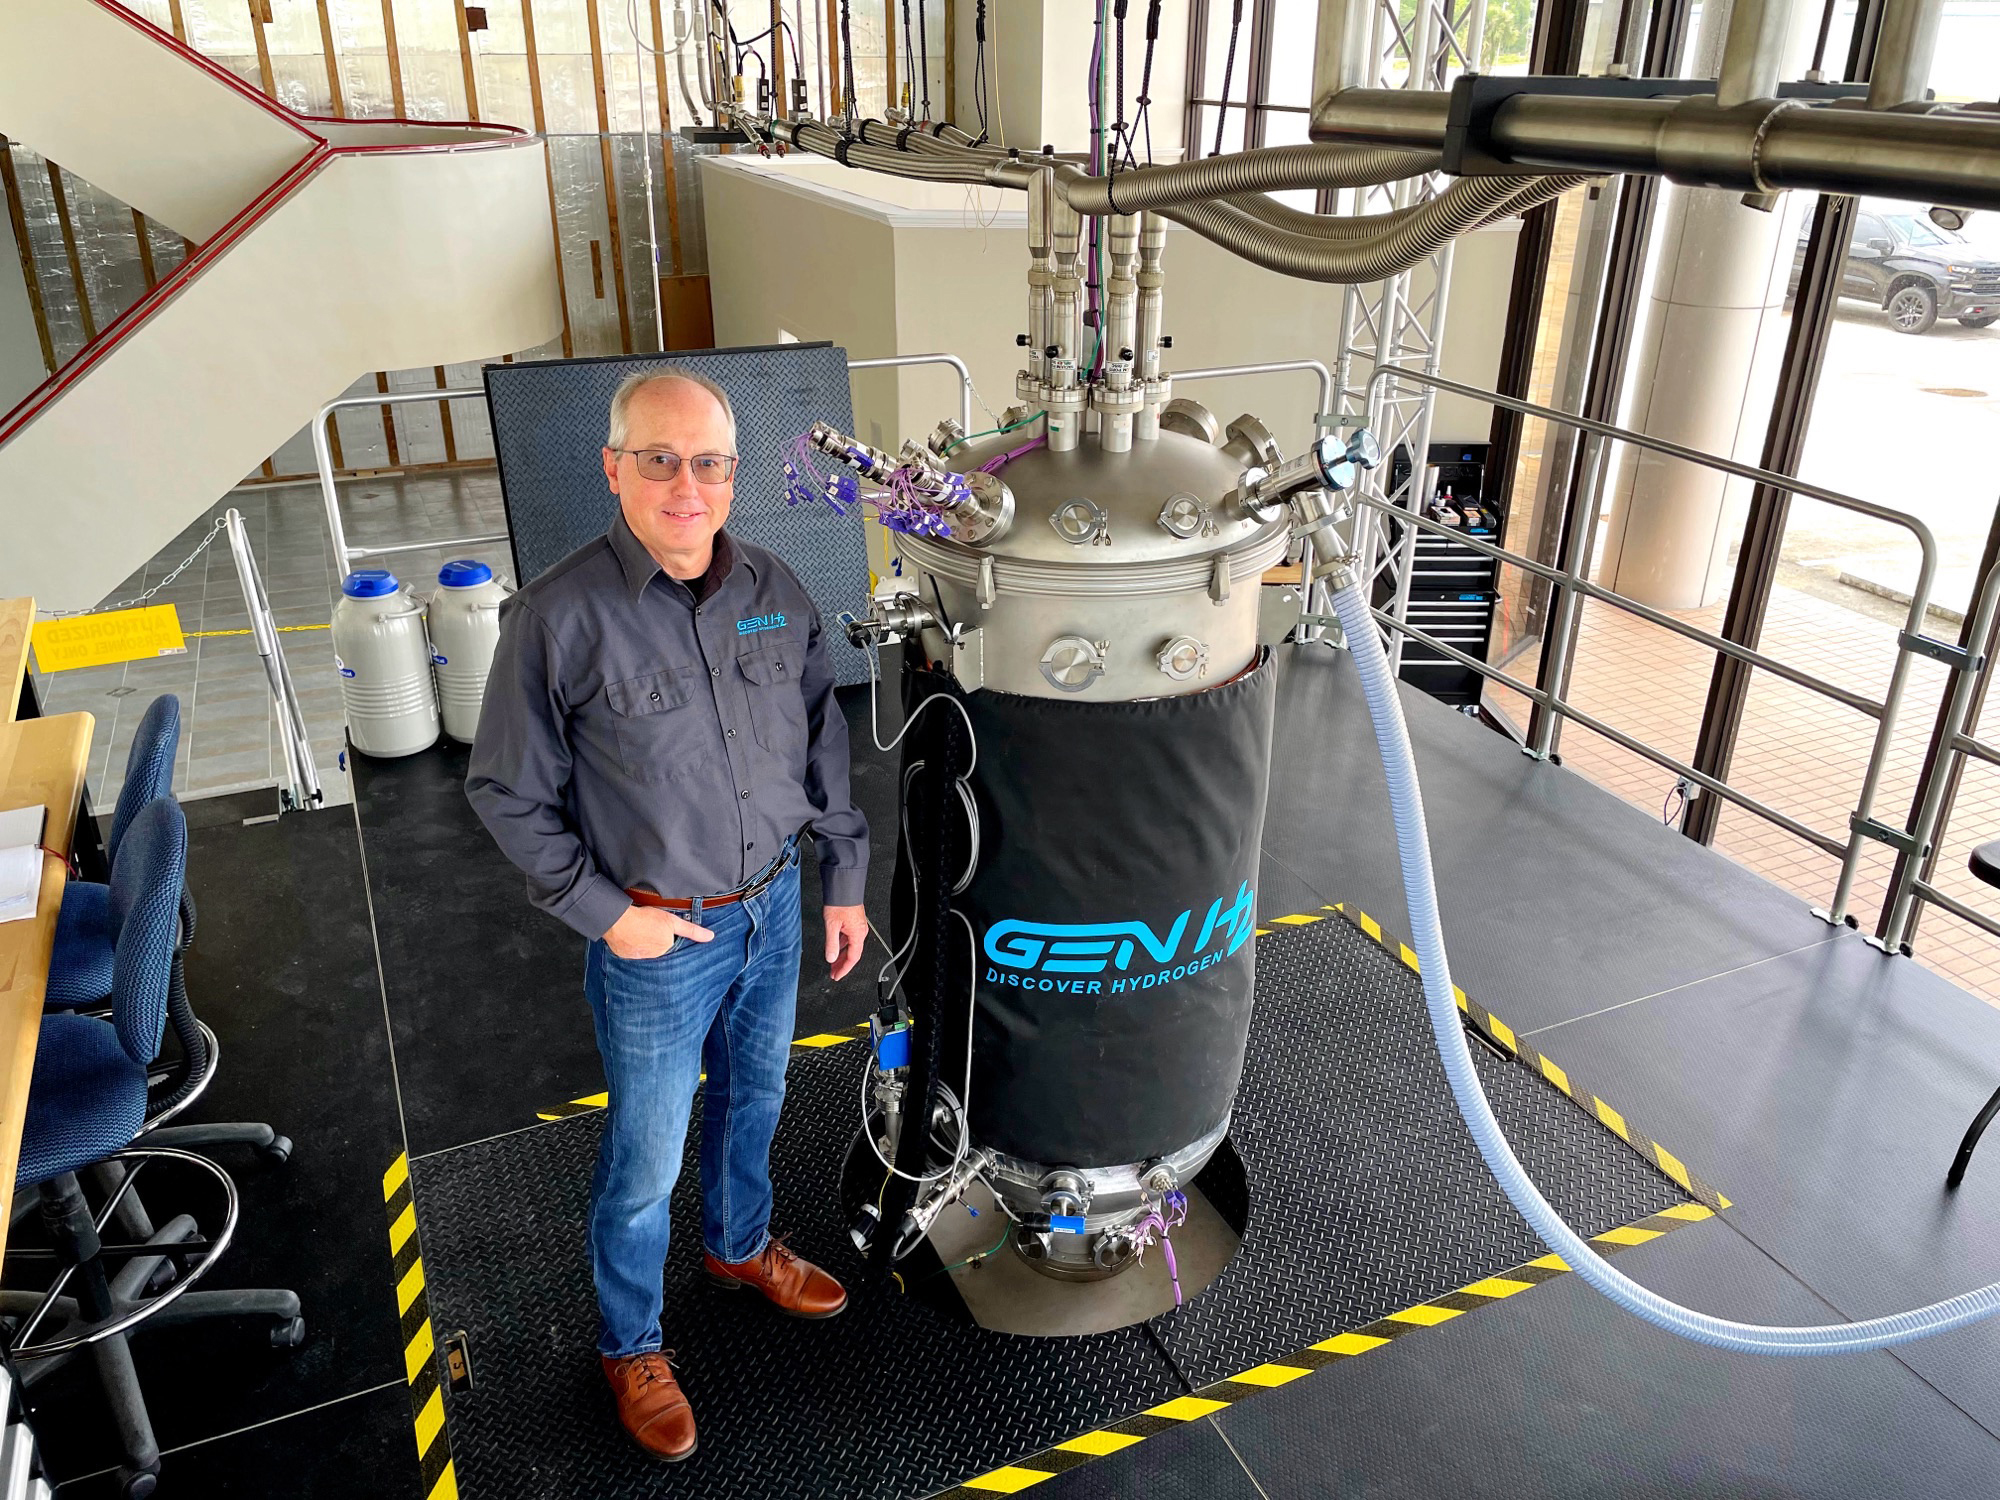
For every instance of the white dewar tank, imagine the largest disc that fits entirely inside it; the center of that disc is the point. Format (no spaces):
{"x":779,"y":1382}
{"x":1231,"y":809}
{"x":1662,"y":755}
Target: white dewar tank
{"x":384,"y":658}
{"x":465,"y":632}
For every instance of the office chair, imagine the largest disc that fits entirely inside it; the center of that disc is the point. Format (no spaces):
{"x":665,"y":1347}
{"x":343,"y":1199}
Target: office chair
{"x":88,"y":1106}
{"x":86,"y":938}
{"x":80,"y":973}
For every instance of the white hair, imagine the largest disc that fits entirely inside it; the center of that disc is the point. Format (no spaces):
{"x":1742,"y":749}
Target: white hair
{"x":631,"y":385}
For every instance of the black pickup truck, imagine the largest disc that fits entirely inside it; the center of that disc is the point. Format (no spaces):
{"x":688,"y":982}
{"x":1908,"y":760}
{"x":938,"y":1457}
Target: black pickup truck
{"x":1915,"y":271}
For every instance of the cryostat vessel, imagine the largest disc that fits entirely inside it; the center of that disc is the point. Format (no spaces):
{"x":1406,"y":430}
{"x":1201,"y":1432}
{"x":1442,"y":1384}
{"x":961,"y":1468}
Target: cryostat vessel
{"x":1086,"y":757}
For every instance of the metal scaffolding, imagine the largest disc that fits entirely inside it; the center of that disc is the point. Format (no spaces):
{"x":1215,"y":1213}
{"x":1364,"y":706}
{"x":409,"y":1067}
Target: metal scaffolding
{"x":1397,"y":323}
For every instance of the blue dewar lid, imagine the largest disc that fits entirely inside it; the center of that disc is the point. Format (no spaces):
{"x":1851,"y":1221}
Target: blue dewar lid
{"x":464,"y":574}
{"x":370,"y":583}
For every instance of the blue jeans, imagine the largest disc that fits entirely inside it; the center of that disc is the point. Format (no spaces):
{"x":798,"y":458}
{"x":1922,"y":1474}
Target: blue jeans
{"x":725,"y":1007}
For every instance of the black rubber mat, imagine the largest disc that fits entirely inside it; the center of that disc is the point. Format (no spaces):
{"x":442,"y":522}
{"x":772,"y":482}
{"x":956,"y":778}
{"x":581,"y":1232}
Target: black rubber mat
{"x":1366,"y":1198}
{"x":1364,"y":1186}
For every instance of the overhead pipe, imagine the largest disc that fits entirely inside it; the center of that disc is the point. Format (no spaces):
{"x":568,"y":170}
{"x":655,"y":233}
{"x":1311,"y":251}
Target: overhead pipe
{"x":1939,"y":156}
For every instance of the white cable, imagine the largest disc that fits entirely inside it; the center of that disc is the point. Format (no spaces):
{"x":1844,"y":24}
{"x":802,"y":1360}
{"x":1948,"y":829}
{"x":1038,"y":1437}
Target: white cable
{"x":896,"y":956}
{"x":962,"y":1110}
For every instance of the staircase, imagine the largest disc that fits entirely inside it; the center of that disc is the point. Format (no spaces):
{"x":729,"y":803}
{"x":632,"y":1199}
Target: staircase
{"x":324,"y":249}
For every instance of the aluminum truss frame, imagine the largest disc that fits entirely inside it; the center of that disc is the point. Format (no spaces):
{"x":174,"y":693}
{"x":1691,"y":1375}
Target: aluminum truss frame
{"x":1399,"y":323}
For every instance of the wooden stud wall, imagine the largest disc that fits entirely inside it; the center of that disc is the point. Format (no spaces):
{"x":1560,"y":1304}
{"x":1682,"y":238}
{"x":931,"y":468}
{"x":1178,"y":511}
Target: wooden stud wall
{"x":683,"y":299}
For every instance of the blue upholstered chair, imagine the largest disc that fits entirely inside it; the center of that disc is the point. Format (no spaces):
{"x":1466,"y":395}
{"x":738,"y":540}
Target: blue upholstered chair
{"x":85,"y":932}
{"x":86,"y":941}
{"x":87,"y":1106}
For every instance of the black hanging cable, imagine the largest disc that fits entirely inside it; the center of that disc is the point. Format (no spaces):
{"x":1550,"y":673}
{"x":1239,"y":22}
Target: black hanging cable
{"x":1120,"y":143}
{"x":1228,"y":67}
{"x":1144,"y":119}
{"x":847,"y":56}
{"x":979,"y":65}
{"x":924,"y":52}
{"x":909,"y":57}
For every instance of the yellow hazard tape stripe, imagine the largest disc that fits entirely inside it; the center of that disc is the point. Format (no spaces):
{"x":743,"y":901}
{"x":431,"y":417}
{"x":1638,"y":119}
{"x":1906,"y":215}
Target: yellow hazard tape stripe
{"x":427,"y":1414}
{"x":818,"y":1041}
{"x":1025,"y":1473}
{"x":1503,"y":1036}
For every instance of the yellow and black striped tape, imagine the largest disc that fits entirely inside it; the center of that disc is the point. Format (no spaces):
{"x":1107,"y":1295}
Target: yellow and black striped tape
{"x":1026,"y":1472}
{"x":589,"y":1102}
{"x":419,"y":1342}
{"x":1503,"y":1036}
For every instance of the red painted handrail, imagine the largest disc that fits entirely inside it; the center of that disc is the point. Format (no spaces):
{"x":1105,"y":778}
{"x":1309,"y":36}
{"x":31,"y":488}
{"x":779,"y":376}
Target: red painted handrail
{"x":320,"y":155}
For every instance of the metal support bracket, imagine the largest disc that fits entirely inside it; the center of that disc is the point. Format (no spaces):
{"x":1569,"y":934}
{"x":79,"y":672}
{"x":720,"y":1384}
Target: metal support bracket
{"x":1902,"y":841}
{"x":1953,"y":655}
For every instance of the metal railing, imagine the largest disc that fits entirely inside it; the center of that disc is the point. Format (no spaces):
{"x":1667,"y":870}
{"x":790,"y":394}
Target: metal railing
{"x":1969,"y":667}
{"x":1323,"y":414}
{"x":1569,"y":579}
{"x":302,"y":788}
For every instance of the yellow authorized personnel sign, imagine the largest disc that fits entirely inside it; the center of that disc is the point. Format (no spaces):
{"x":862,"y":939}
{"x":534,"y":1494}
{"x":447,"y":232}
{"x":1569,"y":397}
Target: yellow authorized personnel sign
{"x":114,"y":636}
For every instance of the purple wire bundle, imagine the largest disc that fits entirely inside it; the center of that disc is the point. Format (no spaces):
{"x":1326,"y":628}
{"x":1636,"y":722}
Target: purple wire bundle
{"x":995,"y":465}
{"x":1166,"y":1216}
{"x":807,"y":480}
{"x":915,"y":500}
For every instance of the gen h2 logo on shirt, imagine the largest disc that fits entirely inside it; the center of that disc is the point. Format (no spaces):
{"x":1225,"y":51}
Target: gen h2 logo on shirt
{"x":759,"y":622}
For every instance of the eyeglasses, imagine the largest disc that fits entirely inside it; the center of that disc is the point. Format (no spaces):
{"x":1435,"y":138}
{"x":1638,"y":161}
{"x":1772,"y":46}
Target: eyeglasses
{"x":662,"y":465}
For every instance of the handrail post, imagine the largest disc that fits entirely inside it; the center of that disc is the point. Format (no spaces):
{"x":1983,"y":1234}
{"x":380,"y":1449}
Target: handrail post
{"x":1966,"y":675}
{"x":301,"y":773}
{"x":899,"y":361}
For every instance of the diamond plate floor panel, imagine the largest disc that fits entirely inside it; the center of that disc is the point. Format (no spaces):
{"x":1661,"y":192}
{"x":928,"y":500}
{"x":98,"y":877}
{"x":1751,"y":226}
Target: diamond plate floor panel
{"x":1366,"y":1197}
{"x":1364,"y":1186}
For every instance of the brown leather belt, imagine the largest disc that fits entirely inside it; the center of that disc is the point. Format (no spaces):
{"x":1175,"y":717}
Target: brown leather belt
{"x":756,"y":887}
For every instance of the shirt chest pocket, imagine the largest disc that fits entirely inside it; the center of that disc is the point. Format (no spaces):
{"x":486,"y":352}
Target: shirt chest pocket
{"x":659,"y":737}
{"x":771,"y":676}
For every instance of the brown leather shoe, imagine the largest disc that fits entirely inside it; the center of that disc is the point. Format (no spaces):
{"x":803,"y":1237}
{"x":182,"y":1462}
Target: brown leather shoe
{"x":791,"y":1284}
{"x":651,"y":1405}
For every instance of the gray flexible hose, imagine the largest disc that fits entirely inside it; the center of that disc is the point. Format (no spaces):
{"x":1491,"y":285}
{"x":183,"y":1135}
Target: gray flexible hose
{"x":1460,"y":208}
{"x":1278,"y":215}
{"x":1347,"y":251}
{"x":1262,"y":169}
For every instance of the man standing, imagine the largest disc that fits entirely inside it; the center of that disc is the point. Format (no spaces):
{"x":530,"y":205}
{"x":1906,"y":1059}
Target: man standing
{"x":659,"y":729}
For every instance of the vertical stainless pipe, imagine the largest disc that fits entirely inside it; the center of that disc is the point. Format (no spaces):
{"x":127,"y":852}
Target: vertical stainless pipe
{"x":1904,"y":52}
{"x":1121,"y":299}
{"x":1340,"y":54}
{"x":1754,"y":51}
{"x":1040,"y":190}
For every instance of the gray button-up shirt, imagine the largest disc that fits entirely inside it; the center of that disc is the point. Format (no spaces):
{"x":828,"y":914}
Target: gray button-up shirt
{"x":632,"y":736}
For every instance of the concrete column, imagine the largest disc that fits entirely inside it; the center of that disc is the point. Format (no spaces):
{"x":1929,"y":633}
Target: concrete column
{"x":1702,"y":375}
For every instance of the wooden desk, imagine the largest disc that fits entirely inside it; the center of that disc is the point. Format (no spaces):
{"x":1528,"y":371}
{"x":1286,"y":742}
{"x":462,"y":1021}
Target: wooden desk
{"x":42,"y":763}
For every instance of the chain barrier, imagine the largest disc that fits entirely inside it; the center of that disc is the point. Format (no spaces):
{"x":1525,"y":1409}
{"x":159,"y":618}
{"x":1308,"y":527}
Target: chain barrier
{"x":221,"y":525}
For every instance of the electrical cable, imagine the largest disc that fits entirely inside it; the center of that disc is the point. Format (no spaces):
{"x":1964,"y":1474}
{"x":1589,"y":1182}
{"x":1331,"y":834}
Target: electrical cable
{"x":979,"y":100}
{"x":1144,"y":119}
{"x":1228,"y":67}
{"x":924,"y":54}
{"x":909,"y":58}
{"x":847,"y":59}
{"x":1434,"y":972}
{"x":1119,"y":144}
